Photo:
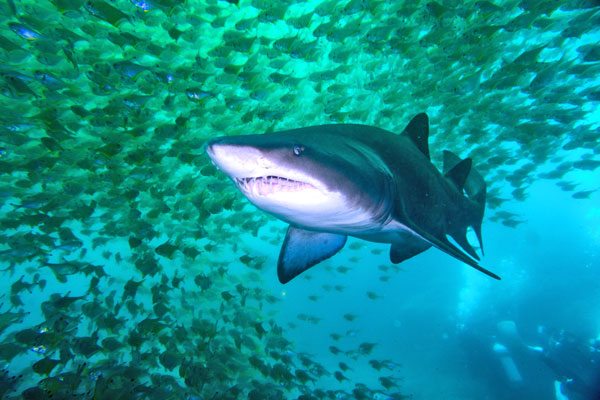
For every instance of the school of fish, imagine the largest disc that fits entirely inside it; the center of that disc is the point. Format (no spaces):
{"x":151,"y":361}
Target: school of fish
{"x":126,"y":276}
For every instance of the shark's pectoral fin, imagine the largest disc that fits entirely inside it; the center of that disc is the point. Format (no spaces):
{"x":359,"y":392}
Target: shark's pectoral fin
{"x":407,"y":249}
{"x":302,"y":249}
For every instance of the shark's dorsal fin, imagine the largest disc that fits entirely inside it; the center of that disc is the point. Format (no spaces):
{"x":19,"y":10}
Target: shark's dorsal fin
{"x":418,"y":131}
{"x":303,"y":249}
{"x":459,"y":173}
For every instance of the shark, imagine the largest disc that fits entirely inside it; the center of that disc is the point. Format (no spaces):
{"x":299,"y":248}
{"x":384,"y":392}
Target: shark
{"x":332,"y":181}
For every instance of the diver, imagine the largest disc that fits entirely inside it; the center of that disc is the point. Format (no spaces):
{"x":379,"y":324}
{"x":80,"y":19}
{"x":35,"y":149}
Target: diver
{"x":536,"y":364}
{"x":575,"y":363}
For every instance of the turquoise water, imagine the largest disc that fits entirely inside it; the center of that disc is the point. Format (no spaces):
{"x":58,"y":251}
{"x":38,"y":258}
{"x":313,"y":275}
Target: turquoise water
{"x":132,"y":268}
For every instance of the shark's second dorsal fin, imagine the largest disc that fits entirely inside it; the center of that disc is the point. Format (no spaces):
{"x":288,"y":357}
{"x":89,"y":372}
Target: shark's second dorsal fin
{"x":474,"y":184}
{"x":418,"y":131}
{"x":459,"y":173}
{"x":302,"y":249}
{"x":450,"y":160}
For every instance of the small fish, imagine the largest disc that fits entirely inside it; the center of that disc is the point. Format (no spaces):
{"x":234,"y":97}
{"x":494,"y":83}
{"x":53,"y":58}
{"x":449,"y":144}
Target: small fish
{"x":8,"y":318}
{"x":587,"y":165}
{"x":203,"y":281}
{"x":104,"y":11}
{"x":24,"y":31}
{"x":68,"y":52}
{"x":339,"y":376}
{"x":226,"y":296}
{"x":129,"y":69}
{"x":111,"y":344}
{"x":86,"y":346}
{"x":39,"y":349}
{"x":344,"y":367}
{"x":49,"y":80}
{"x":45,"y":365}
{"x":349,"y":317}
{"x":197,"y":94}
{"x":17,"y":86}
{"x":8,"y":45}
{"x":166,"y":250}
{"x":373,"y":296}
{"x":143,"y":5}
{"x":583,"y":194}
{"x":387,"y":382}
{"x":366,"y":348}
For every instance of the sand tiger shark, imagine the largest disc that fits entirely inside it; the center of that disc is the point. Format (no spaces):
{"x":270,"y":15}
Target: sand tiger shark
{"x":329,"y":182}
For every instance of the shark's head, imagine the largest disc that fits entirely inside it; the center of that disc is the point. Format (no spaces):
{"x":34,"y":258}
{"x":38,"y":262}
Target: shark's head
{"x":306,"y":177}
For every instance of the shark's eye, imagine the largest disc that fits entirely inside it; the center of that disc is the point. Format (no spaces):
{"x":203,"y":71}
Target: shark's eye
{"x":298,"y":149}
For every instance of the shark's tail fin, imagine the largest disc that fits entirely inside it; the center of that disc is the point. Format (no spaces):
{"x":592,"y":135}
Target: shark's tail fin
{"x":465,"y":177}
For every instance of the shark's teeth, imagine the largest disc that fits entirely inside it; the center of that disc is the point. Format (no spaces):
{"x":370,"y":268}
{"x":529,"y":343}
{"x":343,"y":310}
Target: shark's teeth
{"x":265,"y":185}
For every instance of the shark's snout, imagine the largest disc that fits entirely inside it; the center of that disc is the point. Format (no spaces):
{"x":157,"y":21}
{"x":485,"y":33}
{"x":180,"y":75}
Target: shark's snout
{"x":225,"y":156}
{"x":240,"y":161}
{"x":210,"y":146}
{"x":274,"y":177}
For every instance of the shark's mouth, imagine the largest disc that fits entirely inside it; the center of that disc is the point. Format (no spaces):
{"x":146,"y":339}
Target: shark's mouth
{"x":265,"y":185}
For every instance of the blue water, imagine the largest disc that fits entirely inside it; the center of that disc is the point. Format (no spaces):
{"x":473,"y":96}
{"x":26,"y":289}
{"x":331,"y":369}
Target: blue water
{"x":105,"y":106}
{"x":440,"y":320}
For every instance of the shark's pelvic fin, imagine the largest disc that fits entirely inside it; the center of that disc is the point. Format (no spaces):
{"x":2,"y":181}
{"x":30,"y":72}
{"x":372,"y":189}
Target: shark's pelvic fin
{"x":418,"y":131}
{"x":446,"y":246}
{"x":407,"y":249}
{"x":302,"y":249}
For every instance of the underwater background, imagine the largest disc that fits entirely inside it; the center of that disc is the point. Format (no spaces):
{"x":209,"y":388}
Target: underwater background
{"x":132,"y":269}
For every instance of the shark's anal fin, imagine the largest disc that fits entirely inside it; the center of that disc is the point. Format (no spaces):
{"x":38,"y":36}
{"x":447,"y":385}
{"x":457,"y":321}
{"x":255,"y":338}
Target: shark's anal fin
{"x":407,"y":249}
{"x":460,"y":237}
{"x":302,"y":249}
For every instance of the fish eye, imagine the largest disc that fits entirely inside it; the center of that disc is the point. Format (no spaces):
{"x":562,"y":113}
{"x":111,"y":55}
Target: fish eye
{"x":298,"y":149}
